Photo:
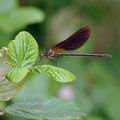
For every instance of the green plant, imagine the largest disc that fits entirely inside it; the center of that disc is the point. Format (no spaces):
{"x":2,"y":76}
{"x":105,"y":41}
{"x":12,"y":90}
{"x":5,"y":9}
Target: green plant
{"x":14,"y":17}
{"x":21,"y":56}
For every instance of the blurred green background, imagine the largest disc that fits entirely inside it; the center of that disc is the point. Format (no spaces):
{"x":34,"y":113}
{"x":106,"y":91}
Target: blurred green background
{"x":96,"y":89}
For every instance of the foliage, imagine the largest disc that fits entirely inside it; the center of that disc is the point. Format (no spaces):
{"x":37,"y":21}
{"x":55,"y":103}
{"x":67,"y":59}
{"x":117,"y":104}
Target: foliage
{"x":56,"y":73}
{"x":15,"y":17}
{"x":41,"y":109}
{"x":22,"y":55}
{"x":8,"y":89}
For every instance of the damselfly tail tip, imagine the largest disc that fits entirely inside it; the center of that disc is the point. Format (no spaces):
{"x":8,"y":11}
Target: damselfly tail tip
{"x":107,"y":55}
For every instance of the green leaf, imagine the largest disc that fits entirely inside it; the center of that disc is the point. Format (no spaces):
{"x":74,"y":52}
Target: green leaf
{"x":19,"y":18}
{"x":39,"y":109}
{"x":55,"y":73}
{"x":22,"y":55}
{"x":7,"y":5}
{"x":3,"y":52}
{"x":17,"y":74}
{"x":8,"y":89}
{"x":23,"y":51}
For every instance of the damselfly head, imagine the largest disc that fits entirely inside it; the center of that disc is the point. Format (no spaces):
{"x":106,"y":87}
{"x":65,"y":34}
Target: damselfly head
{"x":48,"y":54}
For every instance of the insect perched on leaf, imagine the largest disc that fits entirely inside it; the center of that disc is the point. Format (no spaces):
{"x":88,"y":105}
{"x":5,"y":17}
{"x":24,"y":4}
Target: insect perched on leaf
{"x":74,"y":42}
